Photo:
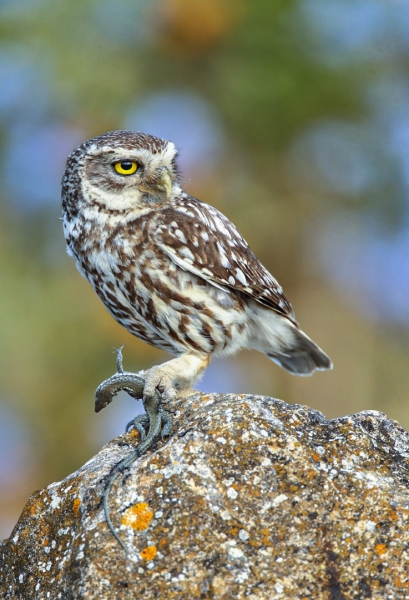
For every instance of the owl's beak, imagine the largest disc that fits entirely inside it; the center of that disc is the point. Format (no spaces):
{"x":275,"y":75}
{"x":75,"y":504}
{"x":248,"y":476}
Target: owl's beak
{"x":164,"y":183}
{"x":160,"y":181}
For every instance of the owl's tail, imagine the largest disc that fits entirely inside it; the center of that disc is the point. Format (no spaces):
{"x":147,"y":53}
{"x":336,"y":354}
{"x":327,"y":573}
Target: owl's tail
{"x":302,"y":357}
{"x":284,"y":343}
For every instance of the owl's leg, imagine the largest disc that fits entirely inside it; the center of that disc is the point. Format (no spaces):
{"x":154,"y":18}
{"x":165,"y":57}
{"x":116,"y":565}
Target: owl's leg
{"x":175,"y":377}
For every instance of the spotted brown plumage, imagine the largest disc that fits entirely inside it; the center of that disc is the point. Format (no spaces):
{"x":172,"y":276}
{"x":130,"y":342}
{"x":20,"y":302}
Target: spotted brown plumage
{"x":171,"y":269}
{"x":199,"y":239}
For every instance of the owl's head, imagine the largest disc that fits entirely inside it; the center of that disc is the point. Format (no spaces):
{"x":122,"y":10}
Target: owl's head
{"x":120,"y":171}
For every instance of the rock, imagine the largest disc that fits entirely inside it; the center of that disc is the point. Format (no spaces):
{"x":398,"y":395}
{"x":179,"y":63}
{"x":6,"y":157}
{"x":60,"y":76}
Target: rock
{"x":251,"y":498}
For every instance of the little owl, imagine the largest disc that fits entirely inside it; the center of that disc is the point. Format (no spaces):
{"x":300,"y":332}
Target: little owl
{"x":171,"y":269}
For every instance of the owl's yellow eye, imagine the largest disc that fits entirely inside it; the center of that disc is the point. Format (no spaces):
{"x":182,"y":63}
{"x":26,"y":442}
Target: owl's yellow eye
{"x":126,"y":167}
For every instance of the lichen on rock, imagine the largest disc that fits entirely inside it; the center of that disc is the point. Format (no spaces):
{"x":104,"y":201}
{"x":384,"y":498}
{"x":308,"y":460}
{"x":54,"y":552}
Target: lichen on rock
{"x":250,"y":498}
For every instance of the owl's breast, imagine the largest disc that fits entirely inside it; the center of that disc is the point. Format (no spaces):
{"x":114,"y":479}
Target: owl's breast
{"x":156,"y":300}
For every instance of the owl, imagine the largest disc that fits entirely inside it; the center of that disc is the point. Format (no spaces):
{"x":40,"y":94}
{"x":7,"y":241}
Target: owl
{"x":171,"y":269}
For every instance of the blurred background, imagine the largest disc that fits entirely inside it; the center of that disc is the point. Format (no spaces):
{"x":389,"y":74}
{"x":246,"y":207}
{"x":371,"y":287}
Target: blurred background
{"x":292,"y":118}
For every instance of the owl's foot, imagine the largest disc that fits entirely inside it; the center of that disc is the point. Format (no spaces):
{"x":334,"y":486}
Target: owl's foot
{"x":176,"y":377}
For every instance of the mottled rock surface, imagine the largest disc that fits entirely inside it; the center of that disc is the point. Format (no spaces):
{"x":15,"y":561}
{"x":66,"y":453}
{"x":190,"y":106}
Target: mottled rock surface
{"x":249,"y":498}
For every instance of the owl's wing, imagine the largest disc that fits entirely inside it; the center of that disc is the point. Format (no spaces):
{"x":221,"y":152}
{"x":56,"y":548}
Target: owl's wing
{"x":199,"y":239}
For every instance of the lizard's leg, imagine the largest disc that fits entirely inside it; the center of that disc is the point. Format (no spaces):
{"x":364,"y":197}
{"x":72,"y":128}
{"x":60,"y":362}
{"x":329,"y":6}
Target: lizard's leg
{"x":139,"y":424}
{"x":167,"y":423}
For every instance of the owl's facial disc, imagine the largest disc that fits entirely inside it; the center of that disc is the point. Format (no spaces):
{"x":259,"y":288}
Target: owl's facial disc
{"x":128,"y":179}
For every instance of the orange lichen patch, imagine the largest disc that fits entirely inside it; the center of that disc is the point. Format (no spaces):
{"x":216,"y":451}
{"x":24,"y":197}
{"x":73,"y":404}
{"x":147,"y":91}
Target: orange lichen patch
{"x":133,"y":433}
{"x":76,"y":506}
{"x":25,"y":532}
{"x":162,"y":542}
{"x":44,"y":531}
{"x":138,"y":516}
{"x":380,"y":549}
{"x":400,"y":584}
{"x":255,"y":493}
{"x":266,"y":537}
{"x":316,"y":457}
{"x":148,"y":553}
